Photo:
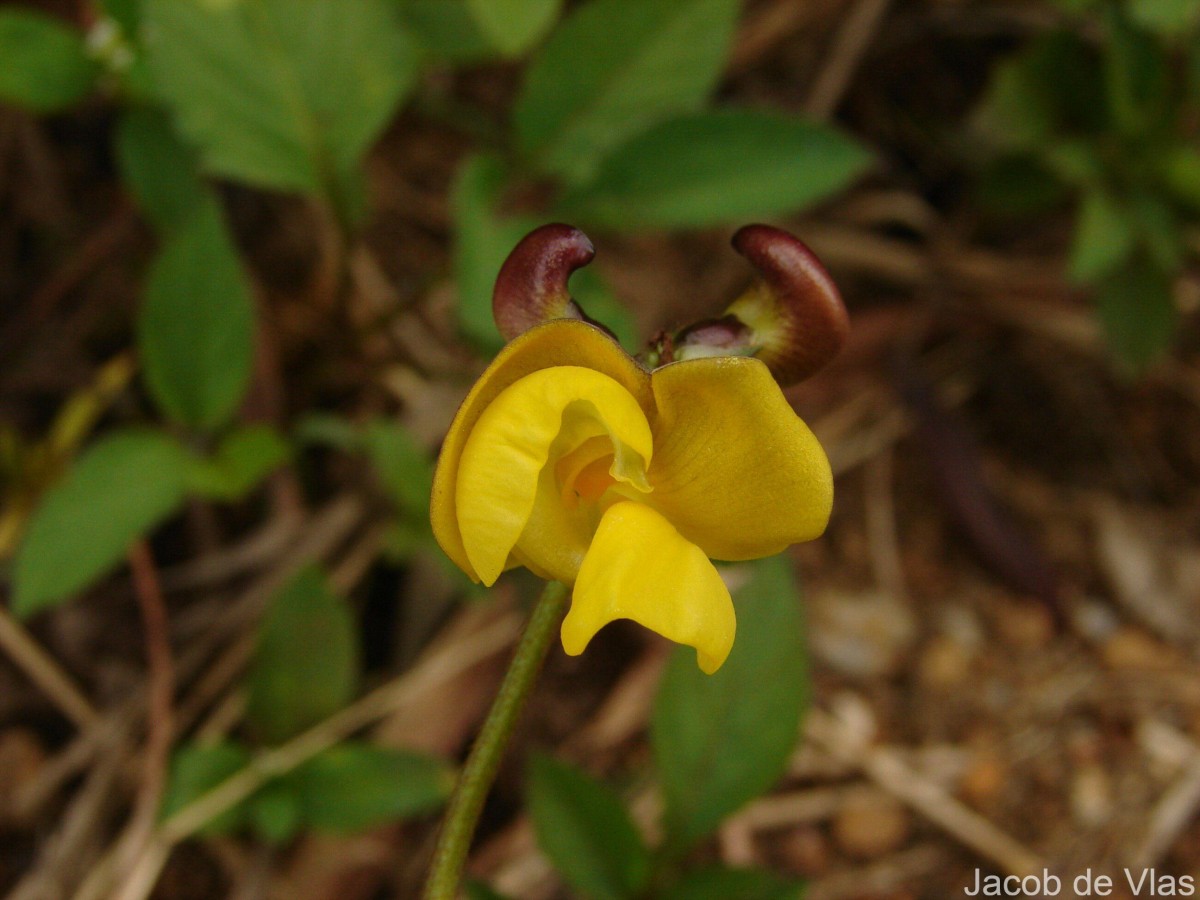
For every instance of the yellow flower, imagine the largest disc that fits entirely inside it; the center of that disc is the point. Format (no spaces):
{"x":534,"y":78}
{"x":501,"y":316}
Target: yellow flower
{"x":571,"y":459}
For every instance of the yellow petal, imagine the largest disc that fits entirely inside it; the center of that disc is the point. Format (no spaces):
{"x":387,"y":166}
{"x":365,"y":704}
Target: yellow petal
{"x":540,"y":417}
{"x":558,"y":343}
{"x":639,"y":568}
{"x":735,"y":469}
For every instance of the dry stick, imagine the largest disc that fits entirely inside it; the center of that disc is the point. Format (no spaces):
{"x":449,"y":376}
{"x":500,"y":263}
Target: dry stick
{"x":27,"y":654}
{"x":436,"y":670}
{"x":881,"y":525}
{"x":50,"y":876}
{"x":1171,"y":814}
{"x":847,"y":50}
{"x":161,"y":678}
{"x":889,"y":771}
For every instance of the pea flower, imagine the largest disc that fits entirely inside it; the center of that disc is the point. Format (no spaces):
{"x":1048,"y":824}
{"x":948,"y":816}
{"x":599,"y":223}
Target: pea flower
{"x":624,"y":478}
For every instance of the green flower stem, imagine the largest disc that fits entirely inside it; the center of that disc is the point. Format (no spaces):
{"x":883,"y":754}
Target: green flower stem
{"x":480,"y":770}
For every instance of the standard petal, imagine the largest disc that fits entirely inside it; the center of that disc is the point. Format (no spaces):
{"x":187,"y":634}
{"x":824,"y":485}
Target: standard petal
{"x":640,"y":568}
{"x":559,"y":343}
{"x":546,"y":413}
{"x":735,"y":469}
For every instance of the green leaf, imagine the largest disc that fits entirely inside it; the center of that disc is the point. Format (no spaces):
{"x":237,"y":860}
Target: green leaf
{"x":734,"y":884}
{"x":1158,"y":231}
{"x":244,"y":458}
{"x":584,"y":830}
{"x":1019,"y":185}
{"x":126,"y":13}
{"x":612,"y":68}
{"x":196,"y":328}
{"x":327,"y":430}
{"x":514,"y":26}
{"x":596,"y":298}
{"x":1171,"y":18}
{"x":1104,"y":237}
{"x":724,"y":739}
{"x":1136,"y":75}
{"x":1180,"y":172}
{"x":280,"y":93}
{"x":306,"y":664}
{"x":356,"y":786}
{"x":195,"y":770}
{"x":1054,"y":86}
{"x":116,"y":492}
{"x":46,"y":67}
{"x":402,"y":464}
{"x":485,"y":238}
{"x":274,"y":811}
{"x":477,"y":890}
{"x":158,"y":167}
{"x":447,"y":30}
{"x":1138,"y":313}
{"x":716,"y":167}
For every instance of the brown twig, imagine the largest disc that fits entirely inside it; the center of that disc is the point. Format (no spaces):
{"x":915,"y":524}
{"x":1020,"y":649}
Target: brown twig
{"x":885,"y":767}
{"x":441,"y":665}
{"x":844,"y":56}
{"x":161,"y":678}
{"x":30,"y":657}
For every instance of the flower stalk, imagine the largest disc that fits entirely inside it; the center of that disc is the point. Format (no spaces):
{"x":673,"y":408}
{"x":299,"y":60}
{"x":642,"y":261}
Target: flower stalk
{"x":458,"y":827}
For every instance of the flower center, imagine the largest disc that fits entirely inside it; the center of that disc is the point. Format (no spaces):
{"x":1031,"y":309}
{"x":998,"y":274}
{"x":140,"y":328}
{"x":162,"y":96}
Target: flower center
{"x":585,"y":473}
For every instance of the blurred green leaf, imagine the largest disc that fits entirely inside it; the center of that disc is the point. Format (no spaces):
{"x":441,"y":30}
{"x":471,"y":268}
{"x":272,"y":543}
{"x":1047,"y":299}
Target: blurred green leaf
{"x":612,"y":68}
{"x":715,"y":167}
{"x":484,"y":241}
{"x":281,"y":93}
{"x":514,"y":26}
{"x":46,"y":67}
{"x":274,"y":811}
{"x":477,"y":890}
{"x":126,"y":13}
{"x":156,"y":165}
{"x":356,"y":786}
{"x":116,"y":492}
{"x":1136,"y":75}
{"x":1173,"y":18}
{"x":1019,"y":185}
{"x":597,"y":299}
{"x":306,"y":664}
{"x":1138,"y":313}
{"x":721,"y":740}
{"x":734,"y":884}
{"x":1076,"y":162}
{"x":243,"y":459}
{"x":1180,"y":172}
{"x":196,"y":328}
{"x":1053,"y":86}
{"x":328,"y":430}
{"x":1158,"y":230}
{"x":1103,"y":236}
{"x":446,"y":29}
{"x":198,"y":768}
{"x":404,"y":467}
{"x":583,"y":829}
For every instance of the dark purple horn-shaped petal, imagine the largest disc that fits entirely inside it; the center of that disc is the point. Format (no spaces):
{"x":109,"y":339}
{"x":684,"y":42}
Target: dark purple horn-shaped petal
{"x":795,"y":314}
{"x":532,"y":285}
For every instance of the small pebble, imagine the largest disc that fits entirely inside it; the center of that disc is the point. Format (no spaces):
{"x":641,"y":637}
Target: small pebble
{"x":1027,"y":626}
{"x":871,"y":827}
{"x":945,"y":663}
{"x":984,"y":779}
{"x":1131,"y":648}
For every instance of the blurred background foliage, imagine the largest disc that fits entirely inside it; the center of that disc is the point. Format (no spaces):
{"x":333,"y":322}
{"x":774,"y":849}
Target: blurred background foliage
{"x":302,"y":205}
